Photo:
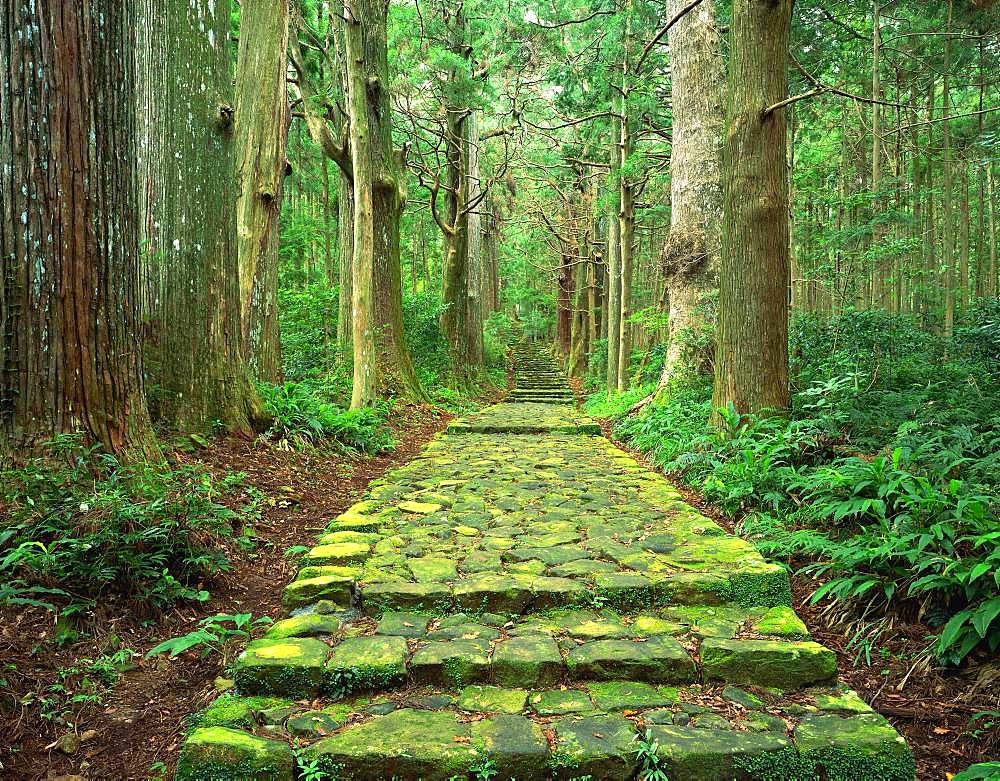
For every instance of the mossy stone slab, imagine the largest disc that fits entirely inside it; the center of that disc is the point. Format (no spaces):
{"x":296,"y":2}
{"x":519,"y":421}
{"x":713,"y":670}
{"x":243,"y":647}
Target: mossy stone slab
{"x":698,"y":754}
{"x":532,"y":661}
{"x":647,"y":626}
{"x":223,"y":754}
{"x":305,"y":591}
{"x":468,"y":631}
{"x":376,"y":598}
{"x":314,"y":724}
{"x":629,"y":695}
{"x":583,"y":568}
{"x":560,"y":702}
{"x":366,"y":664}
{"x":419,"y":508}
{"x":692,"y":588}
{"x":781,"y":621}
{"x":492,"y":699}
{"x":451,"y":663}
{"x":405,"y":744}
{"x":431,"y":569}
{"x":767,"y":663}
{"x":624,"y":591}
{"x":515,"y":744}
{"x":657,"y":660}
{"x":557,"y":554}
{"x":305,"y":625}
{"x":598,"y":746}
{"x":330,"y":538}
{"x":856,"y":747}
{"x":492,"y":593}
{"x":337,"y":553}
{"x":291,"y":667}
{"x":402,"y":624}
{"x":232,"y":710}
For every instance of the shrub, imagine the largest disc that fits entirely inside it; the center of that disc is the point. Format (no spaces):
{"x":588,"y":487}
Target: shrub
{"x":79,"y":525}
{"x":301,"y":417}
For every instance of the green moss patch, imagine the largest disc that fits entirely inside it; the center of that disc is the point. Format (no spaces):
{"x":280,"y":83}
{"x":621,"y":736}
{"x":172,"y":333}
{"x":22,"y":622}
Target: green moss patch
{"x":658,"y":660}
{"x":856,"y":748}
{"x":366,"y":664}
{"x":222,"y":754}
{"x":290,"y":667}
{"x":767,"y":663}
{"x":492,"y":699}
{"x":532,"y":661}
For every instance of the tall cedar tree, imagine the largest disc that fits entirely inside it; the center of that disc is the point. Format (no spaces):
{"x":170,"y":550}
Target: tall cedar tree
{"x":69,"y":303}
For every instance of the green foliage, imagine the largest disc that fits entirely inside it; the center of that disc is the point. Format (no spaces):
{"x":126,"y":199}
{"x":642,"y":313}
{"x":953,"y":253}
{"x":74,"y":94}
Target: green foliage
{"x":983,"y":771}
{"x":647,"y":751}
{"x":308,"y":322}
{"x":78,"y":526}
{"x":212,"y":634}
{"x":885,"y":475}
{"x":302,"y":417}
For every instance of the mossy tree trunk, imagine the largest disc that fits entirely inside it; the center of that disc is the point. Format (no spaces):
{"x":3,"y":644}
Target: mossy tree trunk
{"x":690,"y":255}
{"x":70,"y":357}
{"x":382,"y":365}
{"x":751,"y":370}
{"x":186,"y":118}
{"x":261,"y":140}
{"x":614,"y":299}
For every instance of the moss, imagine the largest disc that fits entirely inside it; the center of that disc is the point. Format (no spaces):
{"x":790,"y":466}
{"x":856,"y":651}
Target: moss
{"x":305,"y":625}
{"x":221,"y":754}
{"x":366,"y":664}
{"x":783,"y":765}
{"x":231,"y":710}
{"x":856,"y":748}
{"x":781,"y":621}
{"x":765,"y":585}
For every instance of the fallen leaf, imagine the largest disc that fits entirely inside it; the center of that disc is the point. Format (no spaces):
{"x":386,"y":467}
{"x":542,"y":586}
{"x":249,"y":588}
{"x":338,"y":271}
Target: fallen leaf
{"x":941,"y":730}
{"x":461,"y":739}
{"x":599,"y":735}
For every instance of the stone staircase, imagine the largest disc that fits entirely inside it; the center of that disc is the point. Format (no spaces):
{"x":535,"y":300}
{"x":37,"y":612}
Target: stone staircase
{"x":537,"y":378}
{"x":526,"y":601}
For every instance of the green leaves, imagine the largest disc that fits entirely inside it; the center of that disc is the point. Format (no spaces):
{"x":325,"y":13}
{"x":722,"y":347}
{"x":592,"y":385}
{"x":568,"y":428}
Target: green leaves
{"x":212,"y":634}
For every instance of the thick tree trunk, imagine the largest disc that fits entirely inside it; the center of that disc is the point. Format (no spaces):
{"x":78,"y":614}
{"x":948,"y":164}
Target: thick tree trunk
{"x":382,"y":364}
{"x":690,"y":256}
{"x":70,"y":357}
{"x":992,"y":222}
{"x":345,"y":253}
{"x":564,"y":304}
{"x":626,"y":237}
{"x":751,"y":371}
{"x":261,"y":141}
{"x":947,"y":279}
{"x":614,"y":277}
{"x":186,"y":122}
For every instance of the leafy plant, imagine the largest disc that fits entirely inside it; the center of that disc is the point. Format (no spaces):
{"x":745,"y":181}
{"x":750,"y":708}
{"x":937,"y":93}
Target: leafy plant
{"x":647,"y":752}
{"x":212,"y":635}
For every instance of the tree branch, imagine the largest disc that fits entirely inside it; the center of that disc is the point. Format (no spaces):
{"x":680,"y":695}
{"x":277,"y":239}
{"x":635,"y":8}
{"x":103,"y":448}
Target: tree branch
{"x":663,"y":31}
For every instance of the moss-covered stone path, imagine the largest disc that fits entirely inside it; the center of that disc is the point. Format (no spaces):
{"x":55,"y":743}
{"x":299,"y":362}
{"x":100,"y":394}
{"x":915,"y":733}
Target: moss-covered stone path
{"x":521,"y":602}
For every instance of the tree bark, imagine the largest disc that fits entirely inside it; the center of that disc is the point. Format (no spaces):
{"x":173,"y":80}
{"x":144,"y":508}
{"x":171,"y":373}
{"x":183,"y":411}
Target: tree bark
{"x":947,"y":211}
{"x":189,"y":217}
{"x":382,"y":364}
{"x":70,"y":357}
{"x":261,"y":141}
{"x":751,"y":371}
{"x":690,"y":257}
{"x":614,"y":275}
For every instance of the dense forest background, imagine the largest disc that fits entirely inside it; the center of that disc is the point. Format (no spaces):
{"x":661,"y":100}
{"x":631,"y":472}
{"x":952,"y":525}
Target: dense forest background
{"x":760,"y":237}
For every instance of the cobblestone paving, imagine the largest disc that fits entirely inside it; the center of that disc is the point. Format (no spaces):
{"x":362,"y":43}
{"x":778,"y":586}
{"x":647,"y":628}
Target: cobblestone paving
{"x":522,"y":601}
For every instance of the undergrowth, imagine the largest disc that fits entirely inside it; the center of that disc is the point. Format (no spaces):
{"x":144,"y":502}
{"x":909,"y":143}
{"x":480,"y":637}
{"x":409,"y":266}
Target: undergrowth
{"x":77,"y":526}
{"x":884,"y":478}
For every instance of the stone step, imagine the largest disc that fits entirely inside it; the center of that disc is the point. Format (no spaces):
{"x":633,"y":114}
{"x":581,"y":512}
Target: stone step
{"x":708,"y":734}
{"x":328,"y":657}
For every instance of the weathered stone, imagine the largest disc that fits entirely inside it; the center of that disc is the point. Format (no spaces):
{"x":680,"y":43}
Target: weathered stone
{"x":559,"y":702}
{"x":527,"y":661}
{"x":432,"y":569}
{"x":366,"y":664}
{"x":403,"y":624}
{"x":290,"y":667}
{"x":657,"y":660}
{"x":767,"y":663}
{"x":398,"y":596}
{"x":492,"y":593}
{"x":629,"y":695}
{"x":451,"y":663}
{"x":224,"y":754}
{"x":695,"y":754}
{"x":492,"y":699}
{"x":315,"y":723}
{"x":598,"y":746}
{"x":515,"y":745}
{"x":692,"y":588}
{"x":405,"y":744}
{"x":337,"y":554}
{"x":782,"y":622}
{"x":464,"y":632}
{"x":624,"y":591}
{"x":843,"y":749}
{"x":305,"y":625}
{"x":742,"y":698}
{"x":334,"y":588}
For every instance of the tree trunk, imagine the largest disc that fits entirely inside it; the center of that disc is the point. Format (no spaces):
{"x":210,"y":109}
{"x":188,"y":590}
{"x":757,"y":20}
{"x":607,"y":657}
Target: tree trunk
{"x":947,"y":212}
{"x":261,"y":140}
{"x":345,"y":254}
{"x":991,"y":289}
{"x":382,"y":365}
{"x":626,"y":237}
{"x":564,"y":303}
{"x":70,"y":358}
{"x":186,"y":122}
{"x":614,"y":275}
{"x":690,"y":257}
{"x":751,"y":371}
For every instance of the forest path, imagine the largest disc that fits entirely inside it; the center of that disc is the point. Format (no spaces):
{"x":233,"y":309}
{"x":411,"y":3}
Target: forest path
{"x":524,"y":600}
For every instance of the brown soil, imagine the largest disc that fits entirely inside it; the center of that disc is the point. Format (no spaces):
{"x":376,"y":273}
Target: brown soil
{"x":931,"y":708}
{"x":136,"y":728}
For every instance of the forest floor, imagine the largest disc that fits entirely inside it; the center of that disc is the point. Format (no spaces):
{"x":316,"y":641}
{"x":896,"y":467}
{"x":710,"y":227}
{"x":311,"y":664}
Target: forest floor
{"x":133,"y":730}
{"x":931,"y":708}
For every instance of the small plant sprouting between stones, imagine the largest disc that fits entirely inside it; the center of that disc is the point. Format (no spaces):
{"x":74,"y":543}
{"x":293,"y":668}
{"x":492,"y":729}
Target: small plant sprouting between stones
{"x":212,"y":635}
{"x":485,"y":769}
{"x":647,"y":751}
{"x":309,"y":767}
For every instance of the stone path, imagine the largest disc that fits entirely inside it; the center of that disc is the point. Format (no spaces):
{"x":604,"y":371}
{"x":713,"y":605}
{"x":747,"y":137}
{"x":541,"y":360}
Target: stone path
{"x":522,"y":601}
